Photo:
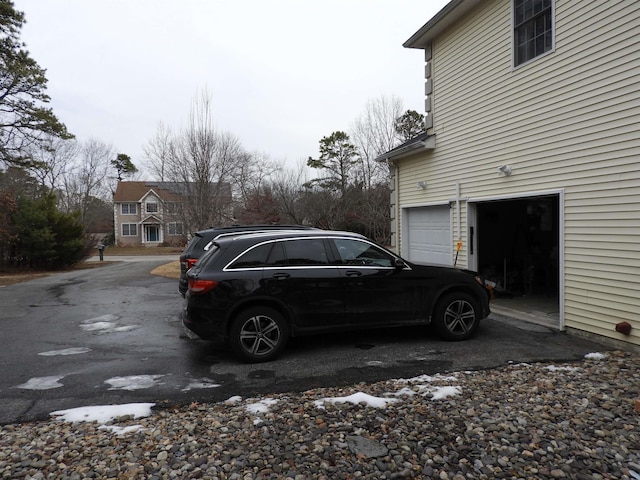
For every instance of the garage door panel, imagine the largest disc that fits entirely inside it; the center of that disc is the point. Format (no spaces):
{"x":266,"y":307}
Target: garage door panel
{"x":429,"y":235}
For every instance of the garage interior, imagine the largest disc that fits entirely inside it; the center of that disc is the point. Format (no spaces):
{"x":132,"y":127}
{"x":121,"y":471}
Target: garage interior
{"x":518,"y":246}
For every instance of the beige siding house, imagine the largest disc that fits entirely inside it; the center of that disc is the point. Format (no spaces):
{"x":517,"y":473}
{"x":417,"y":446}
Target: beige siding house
{"x":148,"y":214}
{"x":530,"y":168}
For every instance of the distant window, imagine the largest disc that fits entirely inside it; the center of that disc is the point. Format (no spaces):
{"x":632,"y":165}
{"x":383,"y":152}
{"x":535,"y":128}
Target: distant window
{"x":129,"y":229}
{"x":128,"y":209}
{"x":152,"y":207}
{"x":533,"y":29}
{"x":175,"y":228}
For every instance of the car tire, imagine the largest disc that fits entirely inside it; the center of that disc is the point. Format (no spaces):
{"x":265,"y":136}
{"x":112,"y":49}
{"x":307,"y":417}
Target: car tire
{"x":456,"y":316}
{"x":258,"y":334}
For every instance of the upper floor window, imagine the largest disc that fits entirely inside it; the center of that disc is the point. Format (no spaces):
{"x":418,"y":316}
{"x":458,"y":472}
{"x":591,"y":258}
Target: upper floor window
{"x":128,"y":208}
{"x":533,"y":29}
{"x":152,"y":207}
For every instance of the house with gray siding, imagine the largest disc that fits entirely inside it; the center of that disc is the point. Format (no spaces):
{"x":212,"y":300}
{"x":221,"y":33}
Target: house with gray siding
{"x":529,"y":171}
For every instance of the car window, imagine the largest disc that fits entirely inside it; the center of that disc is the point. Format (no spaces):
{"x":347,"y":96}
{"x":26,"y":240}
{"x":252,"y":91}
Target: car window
{"x":254,"y":257}
{"x":208,"y":255}
{"x":306,"y":251}
{"x":192,"y":243}
{"x":277,"y":258}
{"x":356,"y":252}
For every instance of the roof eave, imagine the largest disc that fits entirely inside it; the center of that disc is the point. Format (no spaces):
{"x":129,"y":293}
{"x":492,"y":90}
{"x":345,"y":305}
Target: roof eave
{"x":445,"y":18}
{"x":428,"y":143}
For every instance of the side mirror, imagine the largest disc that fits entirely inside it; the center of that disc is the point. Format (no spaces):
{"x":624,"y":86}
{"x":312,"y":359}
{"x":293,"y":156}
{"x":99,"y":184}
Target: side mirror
{"x":399,"y":264}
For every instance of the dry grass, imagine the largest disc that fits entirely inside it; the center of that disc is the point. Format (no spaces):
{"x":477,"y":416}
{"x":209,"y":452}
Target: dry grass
{"x":168,"y":270}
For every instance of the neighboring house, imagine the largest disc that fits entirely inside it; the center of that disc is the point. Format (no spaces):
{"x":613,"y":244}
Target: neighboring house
{"x":148,"y":213}
{"x":531,"y":160}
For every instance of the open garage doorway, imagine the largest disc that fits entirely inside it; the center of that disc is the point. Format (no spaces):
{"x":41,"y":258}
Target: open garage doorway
{"x":516,"y":244}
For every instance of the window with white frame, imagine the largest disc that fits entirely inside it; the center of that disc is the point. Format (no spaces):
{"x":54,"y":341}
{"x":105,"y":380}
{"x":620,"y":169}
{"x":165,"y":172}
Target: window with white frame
{"x":175,"y":228}
{"x":532,"y":29}
{"x":129,"y":208}
{"x":152,"y":207}
{"x":129,"y":229}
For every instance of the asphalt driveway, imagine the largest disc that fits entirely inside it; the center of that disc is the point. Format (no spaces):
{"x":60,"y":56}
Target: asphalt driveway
{"x":113,"y":335}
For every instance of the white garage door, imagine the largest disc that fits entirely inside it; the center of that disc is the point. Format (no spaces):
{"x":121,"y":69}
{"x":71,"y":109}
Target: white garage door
{"x":429,"y":235}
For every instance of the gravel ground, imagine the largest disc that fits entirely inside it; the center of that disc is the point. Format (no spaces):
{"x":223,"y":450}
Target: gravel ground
{"x":575,"y":420}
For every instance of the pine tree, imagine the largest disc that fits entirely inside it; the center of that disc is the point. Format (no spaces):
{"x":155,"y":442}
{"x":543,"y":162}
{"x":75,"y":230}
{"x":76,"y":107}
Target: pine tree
{"x":24,"y":119}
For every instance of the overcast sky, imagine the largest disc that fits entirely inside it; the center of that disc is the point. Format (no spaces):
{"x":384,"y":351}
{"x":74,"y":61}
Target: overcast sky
{"x":282,"y":73}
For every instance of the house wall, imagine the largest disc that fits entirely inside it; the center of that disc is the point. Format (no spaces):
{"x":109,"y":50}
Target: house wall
{"x":119,"y":219}
{"x":568,"y":122}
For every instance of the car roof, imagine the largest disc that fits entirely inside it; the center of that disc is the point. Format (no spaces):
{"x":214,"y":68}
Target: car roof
{"x":286,"y":234}
{"x":241,"y":228}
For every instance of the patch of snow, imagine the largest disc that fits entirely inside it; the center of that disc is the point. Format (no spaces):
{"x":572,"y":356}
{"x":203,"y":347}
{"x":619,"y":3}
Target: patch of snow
{"x":439,"y":393}
{"x":134,"y":382}
{"x":109,"y":317}
{"x":107,"y":327}
{"x":262,"y":406}
{"x":595,"y":356}
{"x":358,"y":398}
{"x":103,"y":413}
{"x":105,"y":324}
{"x":429,"y":379}
{"x":203,"y":383}
{"x":92,"y":327}
{"x":405,"y":391}
{"x":42,"y":383}
{"x":233,"y":400}
{"x":66,"y":351}
{"x":555,"y":368}
{"x":120,"y":431}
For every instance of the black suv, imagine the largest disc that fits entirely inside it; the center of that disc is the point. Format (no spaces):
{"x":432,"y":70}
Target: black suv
{"x":202,"y":239}
{"x":257,"y":290}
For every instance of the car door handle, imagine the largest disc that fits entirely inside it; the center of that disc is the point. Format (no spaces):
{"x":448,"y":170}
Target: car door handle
{"x":281,"y":276}
{"x":353,"y":273}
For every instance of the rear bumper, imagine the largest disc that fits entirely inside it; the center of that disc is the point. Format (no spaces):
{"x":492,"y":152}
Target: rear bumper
{"x":201,"y":324}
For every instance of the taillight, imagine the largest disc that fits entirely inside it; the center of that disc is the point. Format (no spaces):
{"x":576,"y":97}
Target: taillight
{"x":191,"y":262}
{"x":201,"y":286}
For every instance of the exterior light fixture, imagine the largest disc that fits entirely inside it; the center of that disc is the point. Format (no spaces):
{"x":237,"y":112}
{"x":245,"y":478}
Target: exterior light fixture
{"x":421,"y":185}
{"x":504,"y":170}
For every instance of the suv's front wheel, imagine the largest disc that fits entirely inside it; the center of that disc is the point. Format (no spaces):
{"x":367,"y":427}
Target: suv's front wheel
{"x":456,"y":316}
{"x":258,"y":334}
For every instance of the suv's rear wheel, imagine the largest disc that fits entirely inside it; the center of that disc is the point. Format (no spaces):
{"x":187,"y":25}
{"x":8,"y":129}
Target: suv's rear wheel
{"x":258,"y":334}
{"x":456,"y":316}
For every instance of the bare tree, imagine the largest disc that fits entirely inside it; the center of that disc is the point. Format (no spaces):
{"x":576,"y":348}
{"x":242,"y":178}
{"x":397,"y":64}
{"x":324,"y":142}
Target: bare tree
{"x":53,"y":161}
{"x":203,"y":162}
{"x":252,"y":175}
{"x":86,"y":180}
{"x":159,"y":151}
{"x":374,"y":133}
{"x":286,"y":188}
